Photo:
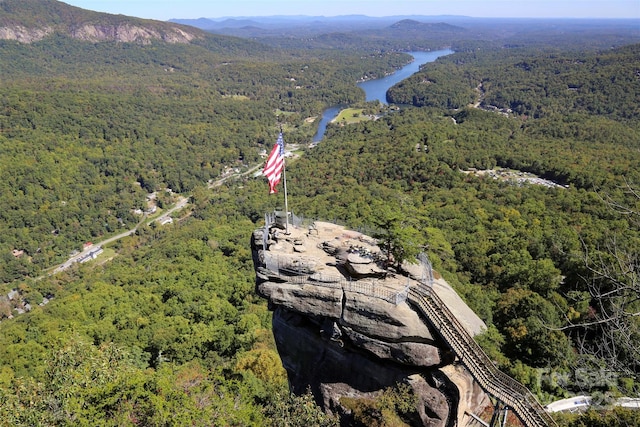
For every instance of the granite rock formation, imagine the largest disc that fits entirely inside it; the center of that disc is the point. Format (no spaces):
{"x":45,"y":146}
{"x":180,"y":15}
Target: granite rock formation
{"x":31,"y":21}
{"x":344,"y":328}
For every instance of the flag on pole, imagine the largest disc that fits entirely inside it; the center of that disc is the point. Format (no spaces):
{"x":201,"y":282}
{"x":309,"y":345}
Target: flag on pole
{"x":275,"y":164}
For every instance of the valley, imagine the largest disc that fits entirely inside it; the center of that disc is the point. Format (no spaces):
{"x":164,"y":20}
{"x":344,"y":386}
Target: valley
{"x":172,"y":331}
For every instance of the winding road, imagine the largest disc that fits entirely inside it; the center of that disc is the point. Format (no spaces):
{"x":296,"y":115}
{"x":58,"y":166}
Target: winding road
{"x":180,"y":204}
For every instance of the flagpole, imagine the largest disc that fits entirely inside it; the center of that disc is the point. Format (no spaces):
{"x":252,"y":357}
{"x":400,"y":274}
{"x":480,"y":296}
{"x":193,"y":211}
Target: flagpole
{"x":284,"y":178}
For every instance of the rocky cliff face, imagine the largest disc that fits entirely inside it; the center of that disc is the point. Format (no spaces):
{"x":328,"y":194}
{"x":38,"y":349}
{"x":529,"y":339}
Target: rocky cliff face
{"x":23,"y":34}
{"x":122,"y":32}
{"x":131,"y":33}
{"x":29,"y":21}
{"x":344,"y":328}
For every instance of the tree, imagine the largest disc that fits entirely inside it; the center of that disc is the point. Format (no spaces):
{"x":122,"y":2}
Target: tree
{"x":610,"y":327}
{"x":396,"y":406}
{"x":287,"y":409}
{"x":398,"y":239}
{"x":524,"y":316}
{"x":617,"y":417}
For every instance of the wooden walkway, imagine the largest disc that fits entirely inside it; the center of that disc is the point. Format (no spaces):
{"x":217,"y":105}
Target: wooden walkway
{"x":421,"y":295}
{"x":493,"y":381}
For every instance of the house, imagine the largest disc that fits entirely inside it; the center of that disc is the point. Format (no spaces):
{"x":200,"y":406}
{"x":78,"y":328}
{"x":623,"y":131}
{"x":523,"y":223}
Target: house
{"x":91,"y":255}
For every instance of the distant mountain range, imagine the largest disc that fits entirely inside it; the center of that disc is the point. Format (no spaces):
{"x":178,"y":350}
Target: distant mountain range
{"x":316,"y":23}
{"x":339,"y":32}
{"x":418,"y":32}
{"x":29,"y":21}
{"x":283,"y":26}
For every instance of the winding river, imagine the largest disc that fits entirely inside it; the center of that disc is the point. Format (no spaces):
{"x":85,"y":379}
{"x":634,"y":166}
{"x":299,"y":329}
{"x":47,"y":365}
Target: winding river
{"x":377,"y":89}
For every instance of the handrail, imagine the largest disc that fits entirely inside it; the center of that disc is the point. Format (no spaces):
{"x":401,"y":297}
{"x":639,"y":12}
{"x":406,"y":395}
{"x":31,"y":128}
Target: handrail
{"x":364,"y":287}
{"x":489,"y":377}
{"x":492,"y":380}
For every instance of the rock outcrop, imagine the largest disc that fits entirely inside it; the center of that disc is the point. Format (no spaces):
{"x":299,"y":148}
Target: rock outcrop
{"x":125,"y":32}
{"x":28,"y":21}
{"x":91,"y":32}
{"x":24,"y":34}
{"x":131,"y":33}
{"x":344,"y":327}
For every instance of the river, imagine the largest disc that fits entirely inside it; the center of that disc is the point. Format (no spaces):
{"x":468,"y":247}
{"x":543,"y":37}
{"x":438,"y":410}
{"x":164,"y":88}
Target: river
{"x":376,"y":90}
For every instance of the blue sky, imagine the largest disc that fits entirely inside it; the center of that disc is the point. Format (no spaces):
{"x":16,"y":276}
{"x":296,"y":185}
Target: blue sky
{"x":168,"y":9}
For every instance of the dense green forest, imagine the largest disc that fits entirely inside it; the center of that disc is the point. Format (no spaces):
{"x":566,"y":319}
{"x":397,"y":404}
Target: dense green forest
{"x":86,"y":137}
{"x":167,"y":329}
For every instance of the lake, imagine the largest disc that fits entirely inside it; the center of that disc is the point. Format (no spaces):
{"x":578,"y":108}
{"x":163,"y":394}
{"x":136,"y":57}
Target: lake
{"x":376,"y":90}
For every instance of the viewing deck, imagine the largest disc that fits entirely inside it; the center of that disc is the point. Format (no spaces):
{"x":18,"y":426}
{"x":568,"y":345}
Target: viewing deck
{"x":307,"y":262}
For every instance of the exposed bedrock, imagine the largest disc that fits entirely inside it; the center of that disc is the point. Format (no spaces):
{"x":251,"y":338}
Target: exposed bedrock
{"x":343,"y":336}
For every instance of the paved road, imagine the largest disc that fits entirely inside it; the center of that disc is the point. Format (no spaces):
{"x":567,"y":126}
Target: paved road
{"x":582,"y":403}
{"x":182,"y":202}
{"x":222,"y":180}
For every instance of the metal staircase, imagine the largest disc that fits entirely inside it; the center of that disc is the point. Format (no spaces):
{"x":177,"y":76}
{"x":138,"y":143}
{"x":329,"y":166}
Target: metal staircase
{"x":493,"y":381}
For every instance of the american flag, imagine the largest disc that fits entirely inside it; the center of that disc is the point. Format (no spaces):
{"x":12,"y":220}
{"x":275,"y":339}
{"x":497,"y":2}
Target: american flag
{"x":275,"y":164}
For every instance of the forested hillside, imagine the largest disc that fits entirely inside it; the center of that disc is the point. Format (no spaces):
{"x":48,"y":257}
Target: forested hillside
{"x":531,"y":82}
{"x":166,"y":329}
{"x":88,"y":131}
{"x":552,"y":269}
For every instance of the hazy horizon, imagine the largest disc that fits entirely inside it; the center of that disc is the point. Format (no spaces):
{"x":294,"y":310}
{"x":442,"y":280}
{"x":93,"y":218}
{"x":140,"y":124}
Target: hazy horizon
{"x":193,"y":9}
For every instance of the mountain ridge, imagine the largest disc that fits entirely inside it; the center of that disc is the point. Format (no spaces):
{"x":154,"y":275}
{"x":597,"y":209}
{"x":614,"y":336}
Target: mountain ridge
{"x":29,"y":21}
